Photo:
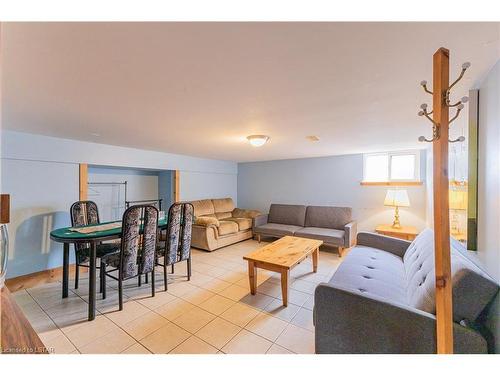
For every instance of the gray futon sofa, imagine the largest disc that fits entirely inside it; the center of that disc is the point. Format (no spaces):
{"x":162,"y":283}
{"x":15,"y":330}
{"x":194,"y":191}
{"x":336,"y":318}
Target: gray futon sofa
{"x":381,"y":299}
{"x":333,"y":225}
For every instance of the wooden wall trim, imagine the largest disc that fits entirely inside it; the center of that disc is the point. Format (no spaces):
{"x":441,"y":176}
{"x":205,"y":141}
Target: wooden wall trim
{"x":4,"y":208}
{"x":177,"y":184}
{"x":83,"y":181}
{"x":39,"y":278}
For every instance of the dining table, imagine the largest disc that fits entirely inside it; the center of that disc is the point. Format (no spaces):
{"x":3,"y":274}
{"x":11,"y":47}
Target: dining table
{"x":92,"y":234}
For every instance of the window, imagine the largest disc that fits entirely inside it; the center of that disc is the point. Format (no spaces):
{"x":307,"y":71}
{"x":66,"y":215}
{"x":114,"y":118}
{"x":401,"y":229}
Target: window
{"x":387,"y":167}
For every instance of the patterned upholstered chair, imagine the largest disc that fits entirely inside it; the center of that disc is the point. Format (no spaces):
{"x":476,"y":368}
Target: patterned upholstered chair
{"x":177,"y":245}
{"x":138,"y":249}
{"x":86,"y":213}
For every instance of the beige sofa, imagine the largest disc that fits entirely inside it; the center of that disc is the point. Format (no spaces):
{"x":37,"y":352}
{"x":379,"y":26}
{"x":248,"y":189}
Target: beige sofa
{"x":218,"y":223}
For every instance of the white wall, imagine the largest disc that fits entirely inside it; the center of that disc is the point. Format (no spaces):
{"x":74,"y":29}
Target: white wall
{"x":332,"y":181}
{"x":41,"y":174}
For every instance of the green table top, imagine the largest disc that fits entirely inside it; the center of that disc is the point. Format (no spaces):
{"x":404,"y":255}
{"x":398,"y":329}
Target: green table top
{"x":65,"y":234}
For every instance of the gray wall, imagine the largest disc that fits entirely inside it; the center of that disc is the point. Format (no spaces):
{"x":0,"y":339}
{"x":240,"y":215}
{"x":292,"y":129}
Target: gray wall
{"x":41,"y":174}
{"x":165,"y":188}
{"x":489,"y":184}
{"x":333,"y":180}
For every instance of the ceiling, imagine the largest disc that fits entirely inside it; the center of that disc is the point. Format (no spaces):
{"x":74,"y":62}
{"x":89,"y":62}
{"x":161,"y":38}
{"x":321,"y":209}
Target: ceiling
{"x":200,"y":88}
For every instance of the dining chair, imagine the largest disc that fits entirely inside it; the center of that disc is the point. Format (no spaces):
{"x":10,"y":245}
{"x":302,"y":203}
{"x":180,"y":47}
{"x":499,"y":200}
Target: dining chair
{"x":137,"y":254}
{"x":86,"y":213}
{"x":177,"y":245}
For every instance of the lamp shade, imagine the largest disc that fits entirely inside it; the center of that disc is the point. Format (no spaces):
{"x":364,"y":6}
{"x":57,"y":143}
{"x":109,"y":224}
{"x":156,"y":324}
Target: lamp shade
{"x":397,"y":198}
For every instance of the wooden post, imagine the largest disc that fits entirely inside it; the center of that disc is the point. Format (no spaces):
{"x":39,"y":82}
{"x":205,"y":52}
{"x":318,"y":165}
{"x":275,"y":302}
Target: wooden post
{"x":84,"y":176}
{"x":444,"y":316}
{"x":4,"y":208}
{"x":177,"y":191}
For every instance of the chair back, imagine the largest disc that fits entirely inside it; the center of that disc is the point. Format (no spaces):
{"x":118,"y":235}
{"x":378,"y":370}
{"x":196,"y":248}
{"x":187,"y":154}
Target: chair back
{"x":138,"y":241}
{"x":83,"y":213}
{"x":179,"y":230}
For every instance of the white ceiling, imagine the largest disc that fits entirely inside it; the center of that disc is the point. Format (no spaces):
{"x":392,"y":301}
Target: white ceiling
{"x":201,"y":88}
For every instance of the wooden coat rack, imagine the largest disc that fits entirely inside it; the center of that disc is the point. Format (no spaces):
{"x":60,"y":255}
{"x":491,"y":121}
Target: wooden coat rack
{"x":440,"y":138}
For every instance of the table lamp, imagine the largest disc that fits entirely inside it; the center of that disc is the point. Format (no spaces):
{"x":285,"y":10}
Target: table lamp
{"x":397,"y":198}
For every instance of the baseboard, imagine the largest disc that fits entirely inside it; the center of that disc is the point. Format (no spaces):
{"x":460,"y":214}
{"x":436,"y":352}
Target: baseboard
{"x":39,"y":278}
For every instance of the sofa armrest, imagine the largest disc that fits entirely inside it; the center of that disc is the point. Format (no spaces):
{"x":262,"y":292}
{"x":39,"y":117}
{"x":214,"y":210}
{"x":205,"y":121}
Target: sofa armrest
{"x":392,"y":245}
{"x":349,"y":321}
{"x":247,"y":214}
{"x":351,"y":230}
{"x":260,"y":220}
{"x":206,"y":221}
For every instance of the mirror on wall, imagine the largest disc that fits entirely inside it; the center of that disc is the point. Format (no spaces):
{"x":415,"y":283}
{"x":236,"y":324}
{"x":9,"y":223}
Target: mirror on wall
{"x":463,"y":177}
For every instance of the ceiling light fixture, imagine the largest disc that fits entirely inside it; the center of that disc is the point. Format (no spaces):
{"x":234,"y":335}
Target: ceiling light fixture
{"x":313,"y":138}
{"x":257,"y":140}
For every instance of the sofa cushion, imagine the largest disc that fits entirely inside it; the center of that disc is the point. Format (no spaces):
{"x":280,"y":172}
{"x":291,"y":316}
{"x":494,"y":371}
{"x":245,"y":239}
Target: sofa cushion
{"x":273,"y":229}
{"x":330,"y":236}
{"x":328,"y":217}
{"x":203,"y":207}
{"x":223,"y":205}
{"x":227,"y":227}
{"x":374,"y":272}
{"x":472,"y":288}
{"x":206,"y":221}
{"x":243,"y":223}
{"x":287,"y":214}
{"x":223,"y":215}
{"x":238,"y":212}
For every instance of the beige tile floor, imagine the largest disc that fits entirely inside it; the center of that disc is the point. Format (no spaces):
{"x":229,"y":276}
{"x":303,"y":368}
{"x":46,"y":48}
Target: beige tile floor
{"x":212,"y":313}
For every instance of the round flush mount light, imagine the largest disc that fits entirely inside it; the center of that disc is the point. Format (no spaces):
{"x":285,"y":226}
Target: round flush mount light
{"x":257,"y":140}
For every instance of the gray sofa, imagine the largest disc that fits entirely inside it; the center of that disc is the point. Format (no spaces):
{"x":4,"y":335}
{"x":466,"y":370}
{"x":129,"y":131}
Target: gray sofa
{"x":381,"y":299}
{"x":332,"y":225}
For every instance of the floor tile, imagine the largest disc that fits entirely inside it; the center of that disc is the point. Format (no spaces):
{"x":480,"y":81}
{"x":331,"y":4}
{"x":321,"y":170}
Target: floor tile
{"x":180,"y":288}
{"x":218,"y":332}
{"x":266,"y":326}
{"x":234,"y":292}
{"x":309,"y":304}
{"x":165,"y":339}
{"x":304,"y":319}
{"x":174,"y":309}
{"x":144,"y":325}
{"x":59,"y":344}
{"x":246,"y":342}
{"x":233,"y":276}
{"x":87,"y":332}
{"x":131,"y":310}
{"x":277,"y":309}
{"x":216,"y":285}
{"x":136,"y":349}
{"x":112,"y":342}
{"x":194,"y":345}
{"x":303,"y":286}
{"x":240,"y":314}
{"x":217,"y":304}
{"x":258,"y":301}
{"x":159,"y":299}
{"x":197,"y":296}
{"x":194,"y":319}
{"x":297,"y":340}
{"x":276,"y":349}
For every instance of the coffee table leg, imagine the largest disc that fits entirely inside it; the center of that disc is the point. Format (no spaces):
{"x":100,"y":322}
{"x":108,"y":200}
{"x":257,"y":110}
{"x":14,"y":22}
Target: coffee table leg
{"x":252,"y":276}
{"x":284,"y":286}
{"x":65,"y":280}
{"x":315,"y":256}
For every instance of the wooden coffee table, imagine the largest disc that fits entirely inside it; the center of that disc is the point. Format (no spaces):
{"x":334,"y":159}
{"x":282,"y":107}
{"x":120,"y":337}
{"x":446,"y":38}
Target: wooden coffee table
{"x":281,"y":256}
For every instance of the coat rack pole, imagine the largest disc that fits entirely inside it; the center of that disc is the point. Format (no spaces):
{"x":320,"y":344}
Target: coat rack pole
{"x":444,"y":316}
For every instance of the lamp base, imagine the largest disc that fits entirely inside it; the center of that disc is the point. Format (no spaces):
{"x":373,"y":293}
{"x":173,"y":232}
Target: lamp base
{"x":396,"y":224}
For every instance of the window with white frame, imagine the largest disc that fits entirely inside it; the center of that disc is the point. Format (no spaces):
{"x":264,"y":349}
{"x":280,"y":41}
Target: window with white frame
{"x":399,"y":166}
